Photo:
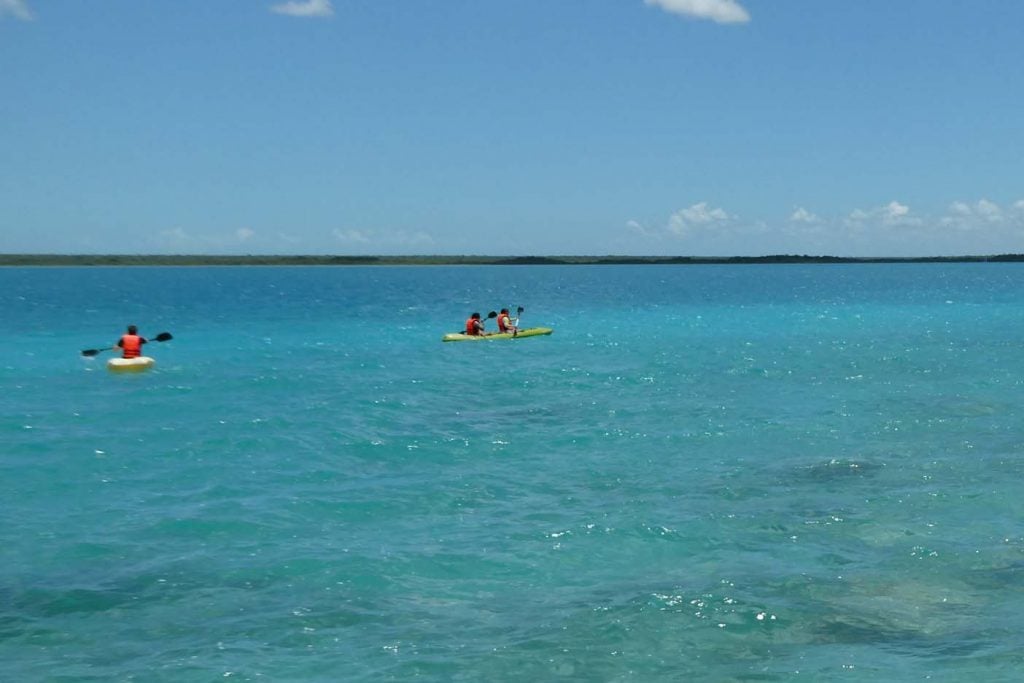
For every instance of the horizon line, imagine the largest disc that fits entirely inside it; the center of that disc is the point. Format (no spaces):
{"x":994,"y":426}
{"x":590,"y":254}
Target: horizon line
{"x":29,"y":259}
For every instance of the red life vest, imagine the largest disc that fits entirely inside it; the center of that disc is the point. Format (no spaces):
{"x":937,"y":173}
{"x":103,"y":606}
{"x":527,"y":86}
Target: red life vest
{"x":503,"y":322}
{"x":132,"y":345}
{"x":471,"y":327}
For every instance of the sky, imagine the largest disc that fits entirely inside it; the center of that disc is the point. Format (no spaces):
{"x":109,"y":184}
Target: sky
{"x":533,"y":127}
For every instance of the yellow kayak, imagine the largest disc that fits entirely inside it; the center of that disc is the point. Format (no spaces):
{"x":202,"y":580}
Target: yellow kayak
{"x":526,"y":332}
{"x":130,"y":364}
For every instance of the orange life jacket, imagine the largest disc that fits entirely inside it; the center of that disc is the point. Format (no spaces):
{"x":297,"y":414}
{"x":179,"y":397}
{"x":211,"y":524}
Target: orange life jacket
{"x":471,"y":327}
{"x":132,"y":346}
{"x":503,"y":322}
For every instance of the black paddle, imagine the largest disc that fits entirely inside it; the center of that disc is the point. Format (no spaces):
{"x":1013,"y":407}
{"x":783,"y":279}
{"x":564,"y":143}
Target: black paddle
{"x":162,"y":337}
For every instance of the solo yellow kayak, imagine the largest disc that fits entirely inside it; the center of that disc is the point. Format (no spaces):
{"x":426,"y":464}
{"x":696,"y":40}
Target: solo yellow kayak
{"x":130,"y":364}
{"x":526,"y":332}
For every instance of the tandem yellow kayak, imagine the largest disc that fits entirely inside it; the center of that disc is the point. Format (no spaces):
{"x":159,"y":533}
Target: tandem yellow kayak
{"x":526,"y":332}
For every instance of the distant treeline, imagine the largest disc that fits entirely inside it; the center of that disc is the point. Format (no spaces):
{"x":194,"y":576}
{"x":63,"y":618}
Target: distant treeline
{"x":300,"y":260}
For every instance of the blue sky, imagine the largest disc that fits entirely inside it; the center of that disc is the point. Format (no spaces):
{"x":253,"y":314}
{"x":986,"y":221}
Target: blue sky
{"x":639,"y":127}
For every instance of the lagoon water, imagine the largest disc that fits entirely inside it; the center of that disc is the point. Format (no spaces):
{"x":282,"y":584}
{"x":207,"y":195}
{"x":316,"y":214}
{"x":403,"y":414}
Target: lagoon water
{"x":713,"y":473}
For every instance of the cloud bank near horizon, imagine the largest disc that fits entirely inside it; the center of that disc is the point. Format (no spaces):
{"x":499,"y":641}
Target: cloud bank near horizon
{"x":720,"y":11}
{"x":986,"y":226}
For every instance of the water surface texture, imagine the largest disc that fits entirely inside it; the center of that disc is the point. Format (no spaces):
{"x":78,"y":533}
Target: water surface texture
{"x":720,"y":473}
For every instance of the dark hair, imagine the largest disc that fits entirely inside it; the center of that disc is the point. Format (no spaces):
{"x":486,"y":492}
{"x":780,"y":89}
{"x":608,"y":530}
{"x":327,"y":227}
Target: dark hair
{"x":132,"y":329}
{"x":504,"y":310}
{"x":475,"y":315}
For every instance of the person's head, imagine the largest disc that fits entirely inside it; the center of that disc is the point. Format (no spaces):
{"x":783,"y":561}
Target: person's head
{"x":504,"y":311}
{"x":475,"y":316}
{"x":132,"y":329}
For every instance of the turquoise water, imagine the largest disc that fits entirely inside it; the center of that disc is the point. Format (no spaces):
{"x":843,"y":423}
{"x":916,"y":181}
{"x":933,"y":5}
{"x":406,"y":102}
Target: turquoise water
{"x":716,"y":473}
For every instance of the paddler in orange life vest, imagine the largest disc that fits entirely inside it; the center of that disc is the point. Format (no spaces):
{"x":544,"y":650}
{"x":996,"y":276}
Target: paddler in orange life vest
{"x":475,"y":326}
{"x":506,"y":324}
{"x":131,"y":343}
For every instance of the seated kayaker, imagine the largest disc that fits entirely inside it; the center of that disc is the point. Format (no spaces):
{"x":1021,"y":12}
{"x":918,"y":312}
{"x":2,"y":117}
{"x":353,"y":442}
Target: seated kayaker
{"x":475,"y":326}
{"x":506,"y":323}
{"x":131,"y":343}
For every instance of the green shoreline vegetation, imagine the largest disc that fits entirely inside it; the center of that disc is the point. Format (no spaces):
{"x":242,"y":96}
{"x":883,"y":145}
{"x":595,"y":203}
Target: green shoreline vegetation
{"x":343,"y":260}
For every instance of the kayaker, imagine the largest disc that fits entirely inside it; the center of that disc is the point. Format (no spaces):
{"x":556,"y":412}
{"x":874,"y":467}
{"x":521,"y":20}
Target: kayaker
{"x":131,"y":343}
{"x":506,"y":323}
{"x":475,"y":326}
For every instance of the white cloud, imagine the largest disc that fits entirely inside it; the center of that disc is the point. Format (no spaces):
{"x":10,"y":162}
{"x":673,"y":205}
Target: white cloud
{"x":305,"y":8}
{"x":244,"y":234}
{"x":897,"y":214}
{"x":894,"y":210}
{"x":892,"y":215}
{"x":721,"y":11}
{"x":990,"y":211}
{"x":964,"y":216}
{"x":697,"y":217}
{"x":802,"y":215}
{"x":16,"y":8}
{"x":959,"y":209}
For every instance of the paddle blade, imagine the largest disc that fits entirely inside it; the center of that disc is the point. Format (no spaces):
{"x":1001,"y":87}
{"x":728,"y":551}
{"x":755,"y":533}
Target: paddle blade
{"x":492,"y":314}
{"x":519,"y":311}
{"x":163,"y":336}
{"x":91,"y":352}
